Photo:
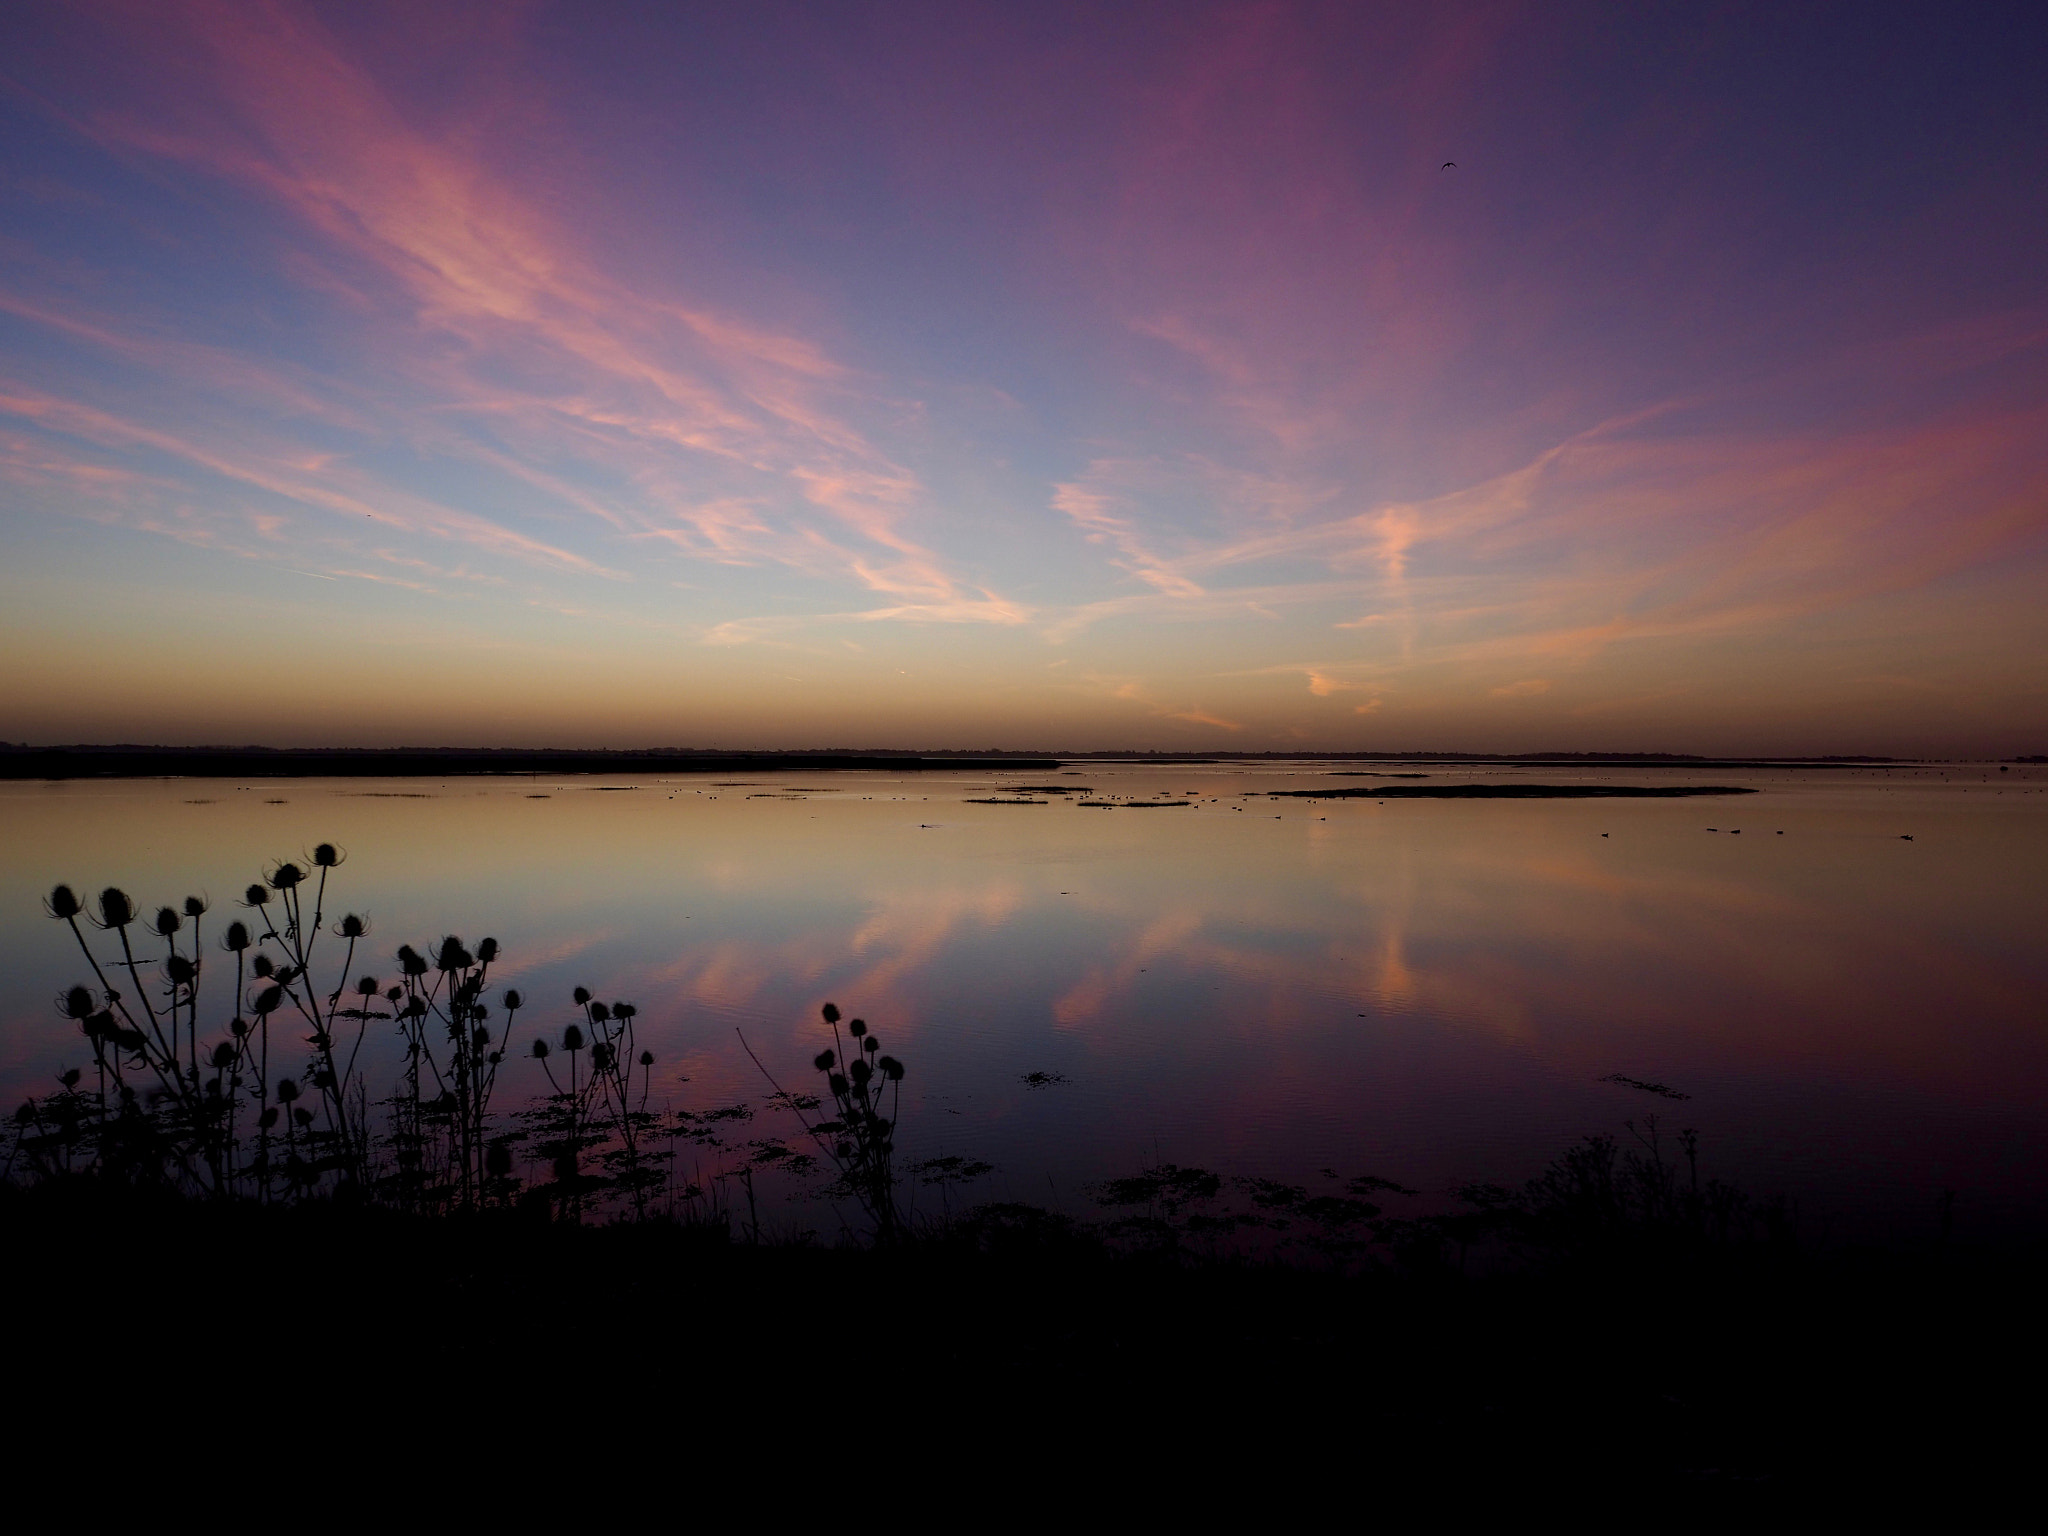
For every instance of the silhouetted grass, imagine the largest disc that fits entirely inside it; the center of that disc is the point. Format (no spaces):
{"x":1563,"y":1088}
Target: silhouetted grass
{"x":270,"y":1105}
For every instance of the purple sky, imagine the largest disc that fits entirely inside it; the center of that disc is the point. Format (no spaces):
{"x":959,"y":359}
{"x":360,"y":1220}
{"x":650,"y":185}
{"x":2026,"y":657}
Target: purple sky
{"x":1034,"y":375}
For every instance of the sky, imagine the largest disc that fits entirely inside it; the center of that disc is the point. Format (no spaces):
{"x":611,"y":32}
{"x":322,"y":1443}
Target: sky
{"x":1050,"y":377}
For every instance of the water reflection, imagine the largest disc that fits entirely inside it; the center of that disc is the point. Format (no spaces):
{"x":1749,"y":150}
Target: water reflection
{"x":1427,"y":989}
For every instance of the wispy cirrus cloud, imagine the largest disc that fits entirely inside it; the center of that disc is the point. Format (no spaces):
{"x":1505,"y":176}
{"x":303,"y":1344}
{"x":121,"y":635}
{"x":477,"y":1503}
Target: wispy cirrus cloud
{"x":519,"y":350}
{"x":1616,"y":537}
{"x":286,"y":475}
{"x":1094,"y":512}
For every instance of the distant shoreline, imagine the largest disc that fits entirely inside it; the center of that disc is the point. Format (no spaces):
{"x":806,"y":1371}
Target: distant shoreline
{"x":140,"y":762}
{"x":1513,"y":792}
{"x":259,"y":763}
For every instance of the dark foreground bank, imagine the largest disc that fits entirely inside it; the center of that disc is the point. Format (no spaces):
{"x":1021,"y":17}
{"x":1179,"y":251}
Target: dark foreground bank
{"x":1011,"y":1339}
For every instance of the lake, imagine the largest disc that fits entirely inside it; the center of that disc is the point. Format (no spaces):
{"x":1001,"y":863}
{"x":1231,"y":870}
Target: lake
{"x":1845,"y":971}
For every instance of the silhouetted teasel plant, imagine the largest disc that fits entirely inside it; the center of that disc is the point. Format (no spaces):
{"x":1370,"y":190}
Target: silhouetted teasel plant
{"x":594,"y":1129}
{"x":245,"y":1115}
{"x":445,"y":1150}
{"x":857,"y":1135}
{"x":167,"y":1105}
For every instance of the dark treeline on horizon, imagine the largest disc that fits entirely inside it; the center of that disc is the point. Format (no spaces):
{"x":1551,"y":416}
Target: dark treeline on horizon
{"x":407,"y":762}
{"x":126,"y":760}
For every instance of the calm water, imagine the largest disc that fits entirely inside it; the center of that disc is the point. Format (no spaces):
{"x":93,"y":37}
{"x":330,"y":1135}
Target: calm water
{"x":1426,"y":990}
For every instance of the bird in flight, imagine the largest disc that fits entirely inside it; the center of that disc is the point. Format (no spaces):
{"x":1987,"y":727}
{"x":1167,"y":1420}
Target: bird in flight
{"x":1448,"y":165}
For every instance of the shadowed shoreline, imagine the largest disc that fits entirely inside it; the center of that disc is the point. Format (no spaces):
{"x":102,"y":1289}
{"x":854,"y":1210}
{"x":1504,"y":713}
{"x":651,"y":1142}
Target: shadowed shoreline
{"x":1731,"y":1381}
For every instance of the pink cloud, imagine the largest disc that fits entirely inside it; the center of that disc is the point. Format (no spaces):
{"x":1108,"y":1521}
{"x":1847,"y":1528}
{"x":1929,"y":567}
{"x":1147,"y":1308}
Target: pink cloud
{"x":653,"y":379}
{"x":266,"y":473}
{"x":1092,"y":511}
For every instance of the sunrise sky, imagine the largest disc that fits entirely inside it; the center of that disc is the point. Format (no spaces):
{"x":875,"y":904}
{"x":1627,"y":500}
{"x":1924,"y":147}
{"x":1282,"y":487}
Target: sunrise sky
{"x":1042,"y":376}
